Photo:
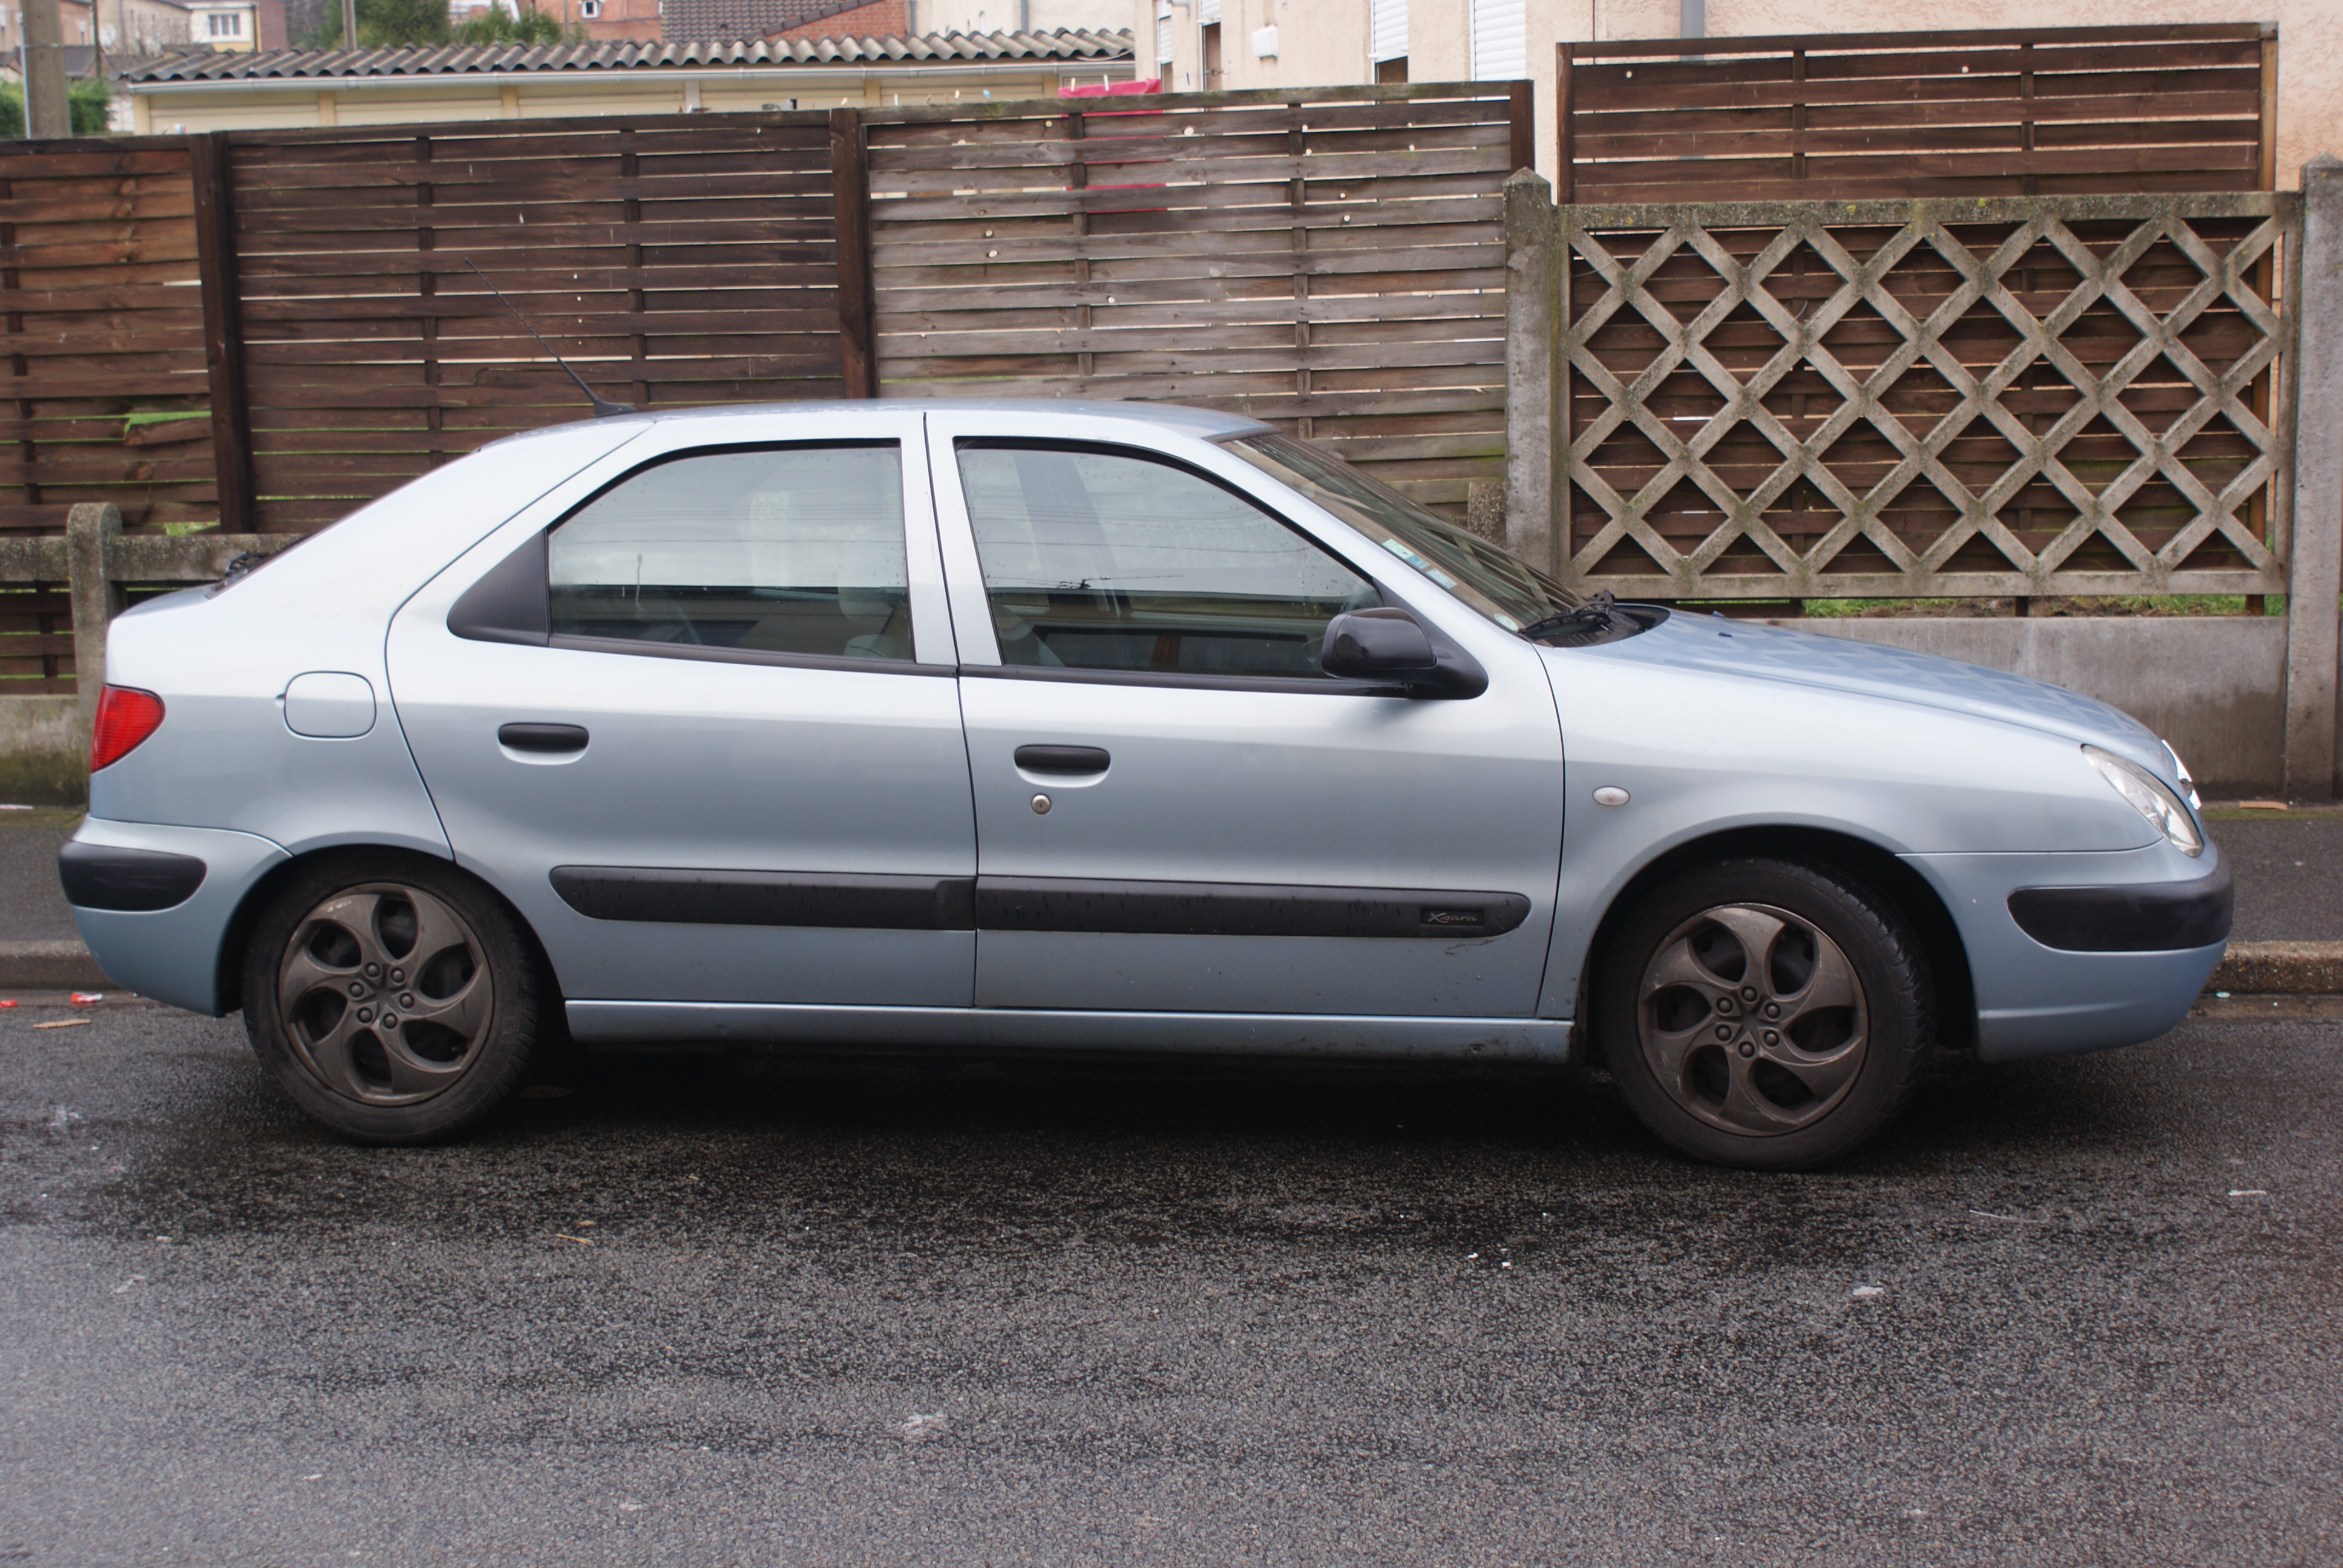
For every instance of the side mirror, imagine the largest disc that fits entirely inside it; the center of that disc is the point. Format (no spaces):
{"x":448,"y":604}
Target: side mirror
{"x":1389,"y":645}
{"x":1377,"y":645}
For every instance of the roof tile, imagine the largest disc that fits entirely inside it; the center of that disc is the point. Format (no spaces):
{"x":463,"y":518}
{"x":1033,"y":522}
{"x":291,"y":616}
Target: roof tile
{"x":427,"y":60}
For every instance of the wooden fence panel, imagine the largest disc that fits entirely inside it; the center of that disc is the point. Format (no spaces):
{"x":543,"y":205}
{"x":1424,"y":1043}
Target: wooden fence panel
{"x":671,"y":260}
{"x":1330,"y":261}
{"x":99,"y":321}
{"x":1932,"y":399}
{"x":2081,"y":110}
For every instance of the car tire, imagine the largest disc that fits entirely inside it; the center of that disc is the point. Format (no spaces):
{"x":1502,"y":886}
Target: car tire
{"x":1765,"y":1014}
{"x":396,"y":1000}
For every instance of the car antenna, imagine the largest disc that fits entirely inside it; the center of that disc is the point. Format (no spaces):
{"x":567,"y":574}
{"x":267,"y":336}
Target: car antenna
{"x":603,"y":408}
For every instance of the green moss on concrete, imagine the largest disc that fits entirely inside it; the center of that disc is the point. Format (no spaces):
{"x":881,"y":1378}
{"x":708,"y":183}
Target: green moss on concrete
{"x":43,"y":778}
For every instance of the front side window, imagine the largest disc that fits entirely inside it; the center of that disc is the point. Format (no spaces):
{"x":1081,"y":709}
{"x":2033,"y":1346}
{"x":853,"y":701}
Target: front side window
{"x":794,"y":550}
{"x":1103,"y":559}
{"x":1493,"y":581}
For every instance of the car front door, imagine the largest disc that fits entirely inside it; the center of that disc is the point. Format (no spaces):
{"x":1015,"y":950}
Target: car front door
{"x":695,"y":716}
{"x":1177,"y":810}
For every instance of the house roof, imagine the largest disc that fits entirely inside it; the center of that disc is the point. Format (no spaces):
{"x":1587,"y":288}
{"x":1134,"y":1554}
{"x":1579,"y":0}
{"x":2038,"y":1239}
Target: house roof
{"x":745,"y":18}
{"x":427,"y":60}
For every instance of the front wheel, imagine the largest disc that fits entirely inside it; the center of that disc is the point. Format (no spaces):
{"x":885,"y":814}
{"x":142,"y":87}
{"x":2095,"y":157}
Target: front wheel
{"x":395,"y":998}
{"x":1766,"y":1014}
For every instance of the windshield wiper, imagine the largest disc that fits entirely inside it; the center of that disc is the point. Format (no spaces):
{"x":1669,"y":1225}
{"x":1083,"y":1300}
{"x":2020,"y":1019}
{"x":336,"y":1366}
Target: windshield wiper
{"x":1596,"y":613}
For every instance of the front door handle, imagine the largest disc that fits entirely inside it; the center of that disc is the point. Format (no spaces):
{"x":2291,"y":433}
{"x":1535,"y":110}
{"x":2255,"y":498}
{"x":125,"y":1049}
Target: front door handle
{"x":1062,"y":759}
{"x":543,"y":737}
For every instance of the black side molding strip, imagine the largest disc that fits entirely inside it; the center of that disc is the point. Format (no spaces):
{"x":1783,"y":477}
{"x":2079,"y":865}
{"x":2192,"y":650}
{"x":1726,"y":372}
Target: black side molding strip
{"x":2140,"y":917}
{"x":718,"y":898}
{"x":681,"y":897}
{"x":102,"y":877}
{"x":1241,"y":909}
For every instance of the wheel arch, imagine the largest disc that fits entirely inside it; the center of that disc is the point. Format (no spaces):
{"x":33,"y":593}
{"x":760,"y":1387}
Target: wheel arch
{"x":229,"y":974}
{"x":1846,"y":853}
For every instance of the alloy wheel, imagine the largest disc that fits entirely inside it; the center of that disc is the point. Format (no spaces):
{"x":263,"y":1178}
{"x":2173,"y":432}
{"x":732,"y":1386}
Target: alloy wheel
{"x":385,"y":992}
{"x":1753,"y":1020}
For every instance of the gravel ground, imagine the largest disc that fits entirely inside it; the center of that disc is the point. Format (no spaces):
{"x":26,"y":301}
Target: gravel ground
{"x":716,"y":1310}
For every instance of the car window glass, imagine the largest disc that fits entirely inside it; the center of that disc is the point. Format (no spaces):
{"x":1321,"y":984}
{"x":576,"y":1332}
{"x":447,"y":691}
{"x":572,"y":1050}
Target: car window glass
{"x":1496,"y":583}
{"x":1103,"y":560}
{"x":782,"y":550}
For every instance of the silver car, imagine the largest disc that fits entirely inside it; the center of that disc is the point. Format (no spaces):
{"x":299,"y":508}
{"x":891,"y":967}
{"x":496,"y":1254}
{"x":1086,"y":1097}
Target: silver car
{"x":1096,"y":727}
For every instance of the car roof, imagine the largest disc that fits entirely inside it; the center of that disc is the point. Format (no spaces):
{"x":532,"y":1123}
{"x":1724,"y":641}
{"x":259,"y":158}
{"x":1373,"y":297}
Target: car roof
{"x":1201,"y":423}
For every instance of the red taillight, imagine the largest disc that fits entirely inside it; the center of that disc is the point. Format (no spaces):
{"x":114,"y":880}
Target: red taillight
{"x":125,"y":716}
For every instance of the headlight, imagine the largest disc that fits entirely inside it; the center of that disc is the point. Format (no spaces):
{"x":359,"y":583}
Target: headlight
{"x":2146,"y":795}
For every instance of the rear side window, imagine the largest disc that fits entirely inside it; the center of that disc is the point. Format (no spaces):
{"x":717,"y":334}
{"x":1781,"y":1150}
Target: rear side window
{"x":1108,"y":560}
{"x":794,"y":549}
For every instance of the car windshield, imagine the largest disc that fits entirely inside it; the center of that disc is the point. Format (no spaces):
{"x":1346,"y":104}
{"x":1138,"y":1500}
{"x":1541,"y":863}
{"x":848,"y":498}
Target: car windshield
{"x":1499,"y":585}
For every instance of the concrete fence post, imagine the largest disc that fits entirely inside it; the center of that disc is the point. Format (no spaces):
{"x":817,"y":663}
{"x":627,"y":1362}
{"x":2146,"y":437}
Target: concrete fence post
{"x":2314,"y":567}
{"x":1530,"y":382}
{"x":91,"y":530}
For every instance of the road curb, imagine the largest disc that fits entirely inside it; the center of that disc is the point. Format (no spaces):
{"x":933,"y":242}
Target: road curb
{"x":2280,"y":969}
{"x":49,"y":966}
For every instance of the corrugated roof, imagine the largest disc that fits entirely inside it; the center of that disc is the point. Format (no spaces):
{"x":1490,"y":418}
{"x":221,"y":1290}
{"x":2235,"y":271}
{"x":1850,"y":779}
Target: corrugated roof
{"x":422,"y":60}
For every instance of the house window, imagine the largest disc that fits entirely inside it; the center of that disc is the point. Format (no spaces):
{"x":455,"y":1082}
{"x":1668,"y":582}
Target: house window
{"x":1386,"y":32}
{"x":224,"y":25}
{"x":1500,"y":40}
{"x":589,"y":9}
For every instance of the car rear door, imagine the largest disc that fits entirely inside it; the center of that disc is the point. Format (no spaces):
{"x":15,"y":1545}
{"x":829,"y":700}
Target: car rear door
{"x":1176,"y":810}
{"x":695,"y":716}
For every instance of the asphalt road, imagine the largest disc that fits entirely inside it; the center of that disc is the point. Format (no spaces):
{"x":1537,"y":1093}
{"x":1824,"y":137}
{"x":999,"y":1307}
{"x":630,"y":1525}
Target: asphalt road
{"x":711,"y":1311}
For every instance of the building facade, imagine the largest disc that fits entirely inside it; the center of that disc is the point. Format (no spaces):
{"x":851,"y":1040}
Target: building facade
{"x":1239,"y":43}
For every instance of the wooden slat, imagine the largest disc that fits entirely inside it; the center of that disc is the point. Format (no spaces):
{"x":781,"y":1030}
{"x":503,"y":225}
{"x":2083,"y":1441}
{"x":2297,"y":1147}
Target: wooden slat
{"x":1838,"y":116}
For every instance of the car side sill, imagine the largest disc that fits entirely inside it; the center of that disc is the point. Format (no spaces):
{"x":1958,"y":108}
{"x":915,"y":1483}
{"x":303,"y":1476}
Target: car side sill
{"x":620,"y":1023}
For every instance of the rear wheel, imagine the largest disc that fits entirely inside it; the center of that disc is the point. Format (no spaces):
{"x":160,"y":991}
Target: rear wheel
{"x":395,"y":998}
{"x":1766,"y":1014}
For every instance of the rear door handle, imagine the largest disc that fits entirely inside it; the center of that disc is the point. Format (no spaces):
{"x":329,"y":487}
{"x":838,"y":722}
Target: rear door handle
{"x":1062,"y":759}
{"x":543,"y":737}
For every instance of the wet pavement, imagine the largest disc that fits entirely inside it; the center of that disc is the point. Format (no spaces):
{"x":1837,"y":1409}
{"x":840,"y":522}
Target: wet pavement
{"x":709,"y":1312}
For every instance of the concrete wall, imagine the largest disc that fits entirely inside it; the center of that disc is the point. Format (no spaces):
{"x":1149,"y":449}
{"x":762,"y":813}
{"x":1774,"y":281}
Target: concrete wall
{"x":41,"y":758}
{"x":2212,"y":685}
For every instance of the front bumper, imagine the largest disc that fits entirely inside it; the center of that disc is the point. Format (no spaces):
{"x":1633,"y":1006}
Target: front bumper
{"x":2037,"y":1000}
{"x":171,"y":953}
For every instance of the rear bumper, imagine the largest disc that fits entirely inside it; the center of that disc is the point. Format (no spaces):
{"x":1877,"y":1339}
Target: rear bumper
{"x":2037,"y":1000}
{"x":171,"y":953}
{"x":106,"y":877}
